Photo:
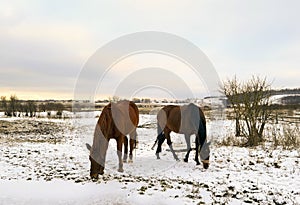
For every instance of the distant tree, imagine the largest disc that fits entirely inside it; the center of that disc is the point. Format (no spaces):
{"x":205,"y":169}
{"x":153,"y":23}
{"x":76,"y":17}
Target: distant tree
{"x":114,"y":99}
{"x":48,"y":107}
{"x":42,"y":107}
{"x":59,"y":107}
{"x":291,"y":100}
{"x":4,"y":104}
{"x":146,"y":100}
{"x":250,"y":101}
{"x":136,"y":100}
{"x":32,"y":108}
{"x":21,"y":109}
{"x":164,"y":101}
{"x":13,"y":106}
{"x":25,"y":109}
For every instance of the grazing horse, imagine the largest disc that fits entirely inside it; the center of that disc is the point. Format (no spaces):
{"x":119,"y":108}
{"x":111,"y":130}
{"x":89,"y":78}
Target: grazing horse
{"x":116,"y":121}
{"x":188,"y":120}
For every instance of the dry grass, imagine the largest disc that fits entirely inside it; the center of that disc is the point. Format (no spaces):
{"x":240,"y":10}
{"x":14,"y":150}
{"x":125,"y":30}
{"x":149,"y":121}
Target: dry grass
{"x":231,"y":140}
{"x":286,"y":136}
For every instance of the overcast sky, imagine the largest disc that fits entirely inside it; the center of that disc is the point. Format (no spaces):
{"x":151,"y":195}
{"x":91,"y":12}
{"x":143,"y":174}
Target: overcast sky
{"x":45,"y":44}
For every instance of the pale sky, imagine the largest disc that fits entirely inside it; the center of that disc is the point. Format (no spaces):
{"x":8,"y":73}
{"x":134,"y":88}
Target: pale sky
{"x":45,"y":44}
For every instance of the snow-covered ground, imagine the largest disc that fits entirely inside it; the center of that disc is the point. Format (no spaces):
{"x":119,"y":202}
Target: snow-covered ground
{"x":44,"y":161}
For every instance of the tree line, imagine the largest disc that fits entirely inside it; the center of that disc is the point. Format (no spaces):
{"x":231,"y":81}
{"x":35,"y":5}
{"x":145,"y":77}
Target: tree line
{"x":13,"y":107}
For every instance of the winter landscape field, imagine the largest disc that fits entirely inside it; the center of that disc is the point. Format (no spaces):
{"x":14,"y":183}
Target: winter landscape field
{"x":63,"y":62}
{"x":44,"y":161}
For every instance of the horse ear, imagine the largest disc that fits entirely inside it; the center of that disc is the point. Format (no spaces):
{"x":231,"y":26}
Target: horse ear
{"x":89,"y":147}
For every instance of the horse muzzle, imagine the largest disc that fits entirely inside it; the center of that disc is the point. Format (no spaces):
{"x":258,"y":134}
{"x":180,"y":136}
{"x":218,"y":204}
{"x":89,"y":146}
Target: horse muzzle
{"x":205,"y":164}
{"x":94,"y":177}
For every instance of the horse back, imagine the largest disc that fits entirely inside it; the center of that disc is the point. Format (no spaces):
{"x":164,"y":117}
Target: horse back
{"x":119,"y":118}
{"x":184,"y":119}
{"x":126,"y":116}
{"x":169,"y":118}
{"x":191,"y":118}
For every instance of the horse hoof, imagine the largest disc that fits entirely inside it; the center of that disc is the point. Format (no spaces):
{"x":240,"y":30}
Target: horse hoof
{"x":130,"y":161}
{"x":185,"y":160}
{"x":125,"y":160}
{"x":157,"y":156}
{"x":177,"y":159}
{"x":120,"y":170}
{"x":197,"y":163}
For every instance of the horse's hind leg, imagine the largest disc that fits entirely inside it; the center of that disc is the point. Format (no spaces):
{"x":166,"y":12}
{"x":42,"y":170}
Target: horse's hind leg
{"x":169,"y":142}
{"x":188,"y":145}
{"x":132,"y":142}
{"x":161,"y":138}
{"x":119,"y":152}
{"x":125,"y":149}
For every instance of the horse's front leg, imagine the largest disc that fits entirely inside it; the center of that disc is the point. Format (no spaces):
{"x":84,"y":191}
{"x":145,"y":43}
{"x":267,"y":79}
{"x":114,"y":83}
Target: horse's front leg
{"x":125,"y":149}
{"x":197,"y":149}
{"x":188,"y":146}
{"x":119,"y":152}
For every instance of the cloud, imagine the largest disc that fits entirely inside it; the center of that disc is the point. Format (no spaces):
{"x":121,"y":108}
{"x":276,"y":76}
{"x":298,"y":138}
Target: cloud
{"x":46,"y":43}
{"x":164,"y":66}
{"x":45,"y":56}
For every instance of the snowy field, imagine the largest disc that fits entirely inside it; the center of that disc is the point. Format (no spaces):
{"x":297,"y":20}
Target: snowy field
{"x":44,"y":161}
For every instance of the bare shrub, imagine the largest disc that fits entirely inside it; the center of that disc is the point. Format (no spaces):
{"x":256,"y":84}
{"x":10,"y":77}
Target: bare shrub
{"x":291,"y":137}
{"x":286,"y":136}
{"x":250,"y":103}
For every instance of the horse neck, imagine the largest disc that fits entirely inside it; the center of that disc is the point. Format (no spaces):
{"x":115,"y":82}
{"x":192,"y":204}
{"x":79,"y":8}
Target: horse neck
{"x":100,"y":144}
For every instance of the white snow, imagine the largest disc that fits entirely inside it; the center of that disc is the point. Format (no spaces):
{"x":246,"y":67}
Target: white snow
{"x":58,"y":173}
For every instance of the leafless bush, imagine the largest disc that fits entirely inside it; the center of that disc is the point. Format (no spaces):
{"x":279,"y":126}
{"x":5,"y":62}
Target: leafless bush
{"x":291,"y":137}
{"x":287,"y":136}
{"x":250,"y":103}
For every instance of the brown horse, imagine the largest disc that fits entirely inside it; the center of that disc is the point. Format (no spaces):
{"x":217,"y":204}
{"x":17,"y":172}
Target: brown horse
{"x":188,"y":120}
{"x":116,"y":121}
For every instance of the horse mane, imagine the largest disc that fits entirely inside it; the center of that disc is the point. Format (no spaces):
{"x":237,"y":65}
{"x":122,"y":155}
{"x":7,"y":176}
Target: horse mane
{"x":105,"y":120}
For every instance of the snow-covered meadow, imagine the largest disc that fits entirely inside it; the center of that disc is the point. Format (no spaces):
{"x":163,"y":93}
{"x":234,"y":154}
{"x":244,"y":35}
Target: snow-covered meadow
{"x":44,"y":161}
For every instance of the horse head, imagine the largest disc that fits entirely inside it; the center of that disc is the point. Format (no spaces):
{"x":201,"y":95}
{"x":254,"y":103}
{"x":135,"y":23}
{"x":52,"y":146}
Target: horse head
{"x":204,"y":154}
{"x":95,"y":168}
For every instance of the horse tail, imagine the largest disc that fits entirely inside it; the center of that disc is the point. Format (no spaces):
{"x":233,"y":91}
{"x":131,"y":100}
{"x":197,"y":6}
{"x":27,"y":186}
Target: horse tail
{"x":202,"y":129}
{"x":159,"y":134}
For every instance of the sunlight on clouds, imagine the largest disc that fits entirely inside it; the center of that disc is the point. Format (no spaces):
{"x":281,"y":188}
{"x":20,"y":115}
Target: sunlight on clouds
{"x":70,"y":37}
{"x":6,"y":12}
{"x":134,"y":63}
{"x":36,"y":93}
